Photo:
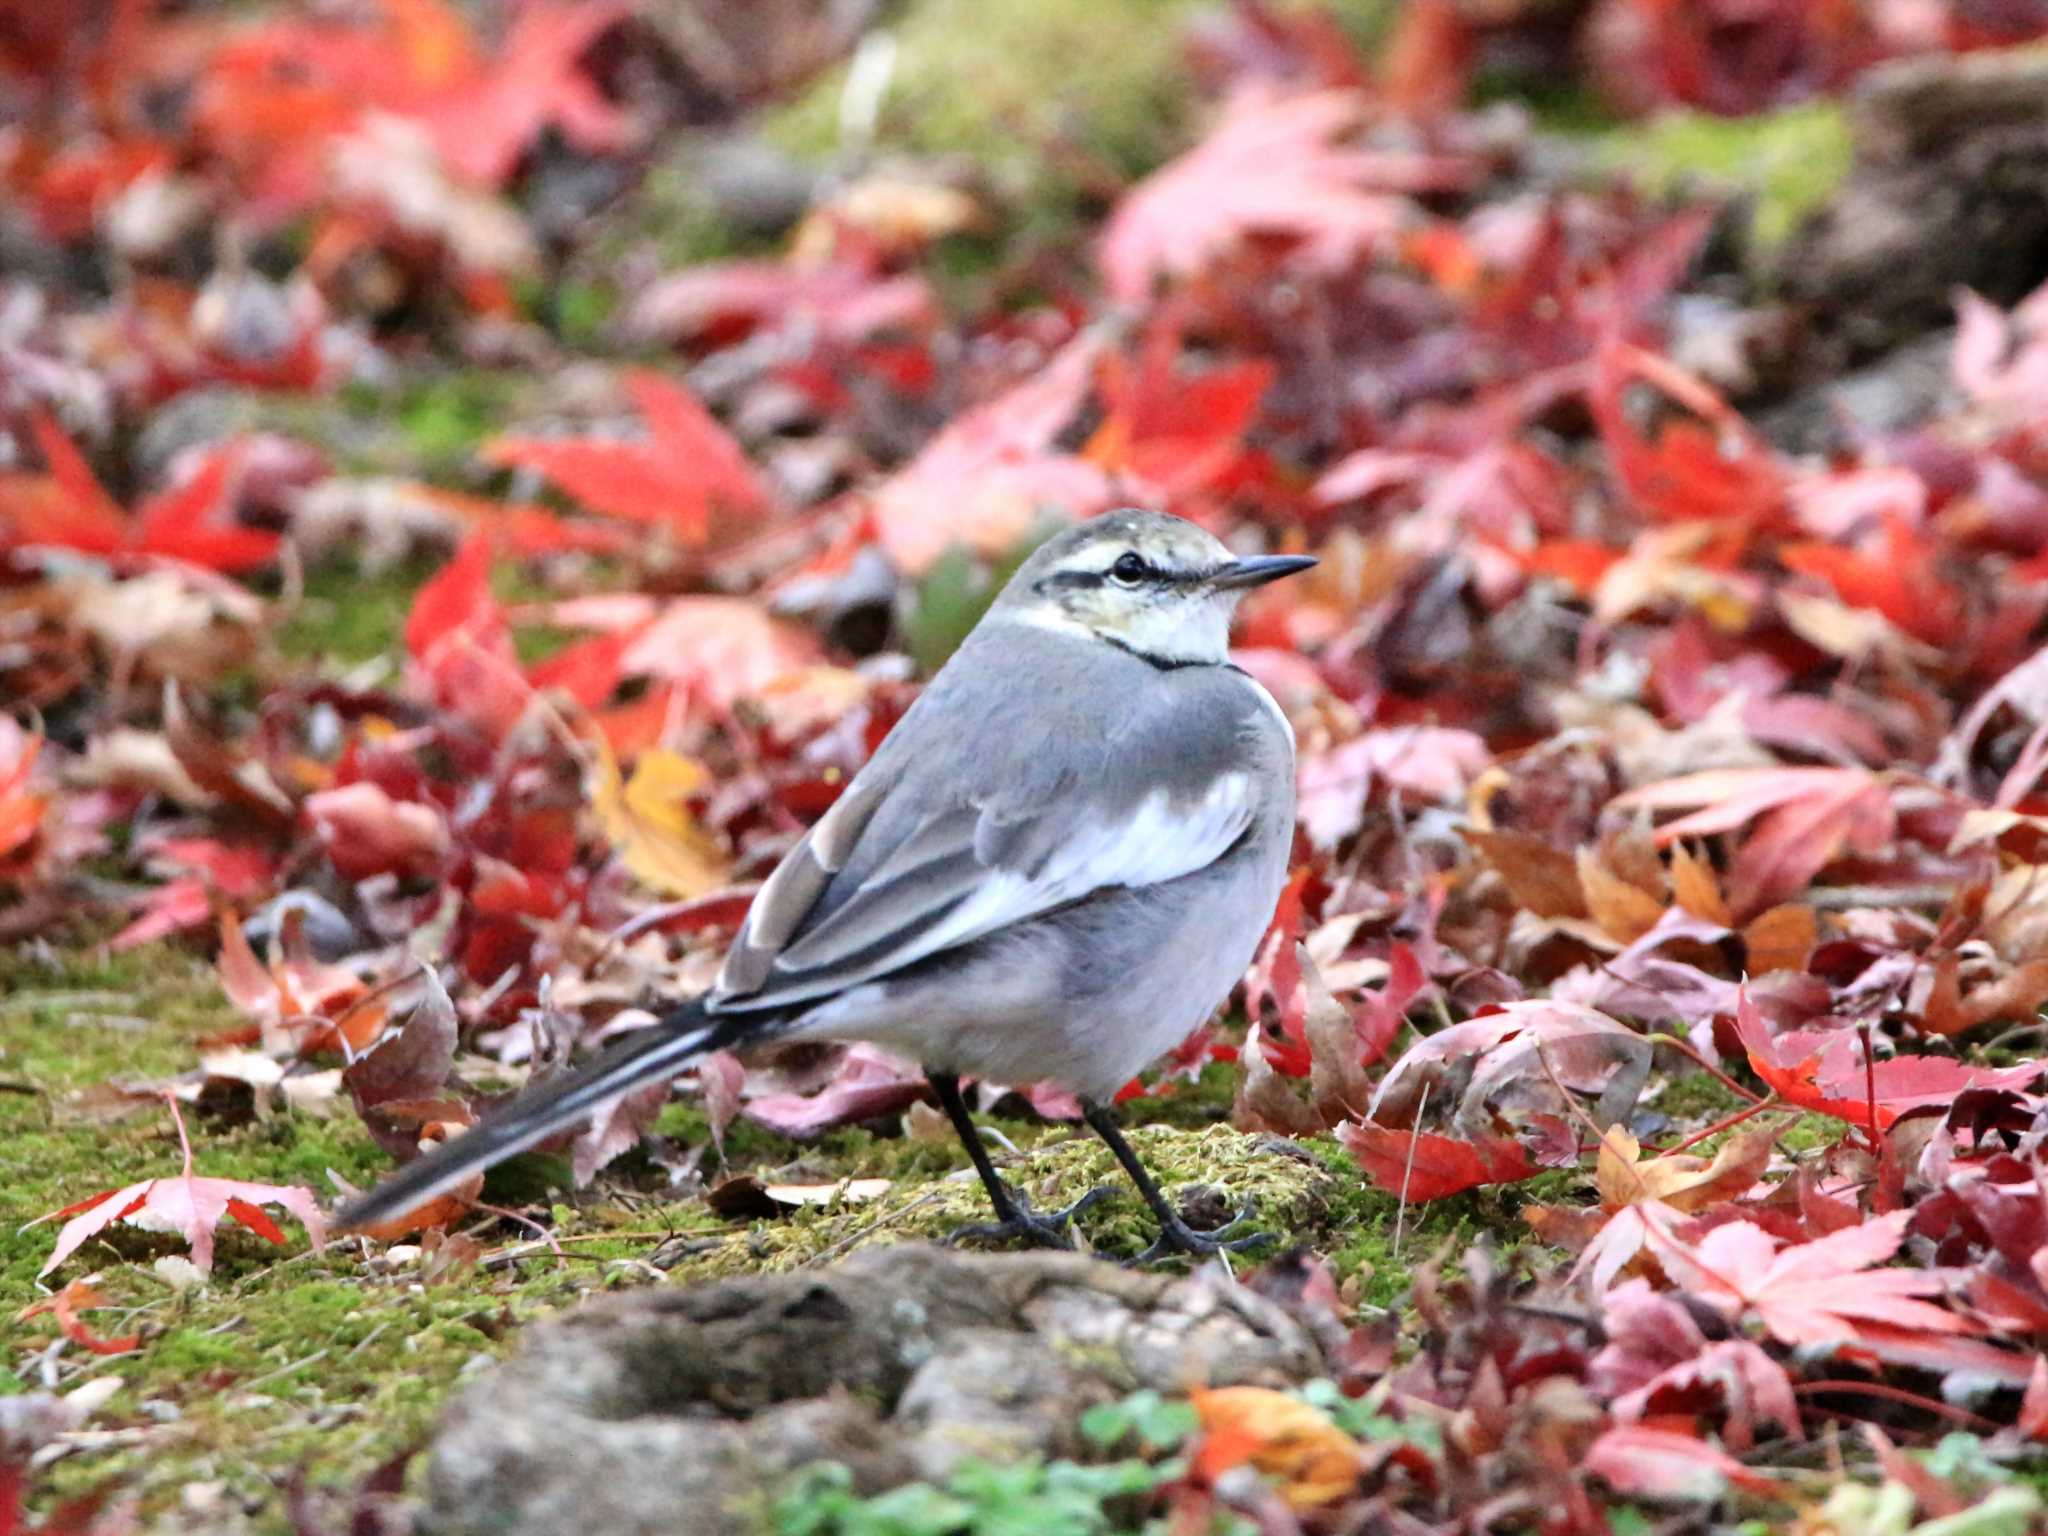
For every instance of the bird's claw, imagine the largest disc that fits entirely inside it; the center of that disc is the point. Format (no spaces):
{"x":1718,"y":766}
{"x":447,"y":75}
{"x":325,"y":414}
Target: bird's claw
{"x":1021,"y":1224}
{"x":1176,"y":1237}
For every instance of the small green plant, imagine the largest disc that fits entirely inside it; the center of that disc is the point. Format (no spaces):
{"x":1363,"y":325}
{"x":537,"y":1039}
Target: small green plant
{"x":1361,"y":1416}
{"x":1025,"y":1498}
{"x":1160,"y":1423}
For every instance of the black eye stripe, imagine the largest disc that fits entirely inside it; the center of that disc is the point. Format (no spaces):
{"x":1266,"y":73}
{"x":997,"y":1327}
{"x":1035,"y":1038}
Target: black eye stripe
{"x":1149,"y":575}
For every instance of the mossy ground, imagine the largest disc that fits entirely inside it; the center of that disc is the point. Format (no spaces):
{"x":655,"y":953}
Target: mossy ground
{"x":337,"y":1360}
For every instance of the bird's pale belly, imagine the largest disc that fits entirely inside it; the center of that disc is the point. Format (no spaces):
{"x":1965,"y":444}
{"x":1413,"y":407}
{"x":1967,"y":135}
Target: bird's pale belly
{"x":1085,"y":997}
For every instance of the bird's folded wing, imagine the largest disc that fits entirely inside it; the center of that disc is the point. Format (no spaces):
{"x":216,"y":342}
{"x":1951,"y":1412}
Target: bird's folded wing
{"x":968,"y":871}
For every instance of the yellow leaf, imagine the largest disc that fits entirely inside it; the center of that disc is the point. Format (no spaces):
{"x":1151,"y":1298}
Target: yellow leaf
{"x":1625,"y":1178}
{"x":648,"y":821}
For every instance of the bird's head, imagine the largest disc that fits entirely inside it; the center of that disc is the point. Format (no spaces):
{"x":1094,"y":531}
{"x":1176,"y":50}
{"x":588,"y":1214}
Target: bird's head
{"x":1146,"y":582}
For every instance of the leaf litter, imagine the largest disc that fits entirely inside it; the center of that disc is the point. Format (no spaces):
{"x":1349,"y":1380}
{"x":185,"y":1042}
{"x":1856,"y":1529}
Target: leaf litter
{"x":1673,"y":825}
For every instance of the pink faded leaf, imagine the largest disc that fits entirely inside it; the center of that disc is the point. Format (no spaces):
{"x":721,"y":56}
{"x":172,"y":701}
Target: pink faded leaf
{"x":990,"y":475}
{"x":867,"y":1083}
{"x":1637,"y":1462}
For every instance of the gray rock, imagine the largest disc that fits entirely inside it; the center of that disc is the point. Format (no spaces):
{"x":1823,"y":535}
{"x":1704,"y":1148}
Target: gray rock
{"x":667,"y":1411}
{"x":1947,"y":191}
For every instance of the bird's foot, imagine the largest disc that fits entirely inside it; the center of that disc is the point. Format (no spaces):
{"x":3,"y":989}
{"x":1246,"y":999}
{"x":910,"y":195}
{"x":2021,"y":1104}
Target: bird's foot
{"x":1017,"y":1222}
{"x":1177,"y":1237}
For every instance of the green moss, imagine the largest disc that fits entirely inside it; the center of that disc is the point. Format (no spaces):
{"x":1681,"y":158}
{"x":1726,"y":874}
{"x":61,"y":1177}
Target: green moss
{"x":1790,"y":161}
{"x":998,"y":85}
{"x":1054,"y":1169}
{"x":1811,"y":1133}
{"x":447,"y":416}
{"x":1693,"y":1099}
{"x":348,"y":617}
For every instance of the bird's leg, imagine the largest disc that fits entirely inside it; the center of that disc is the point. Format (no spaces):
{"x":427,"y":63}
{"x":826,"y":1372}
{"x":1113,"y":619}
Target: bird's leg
{"x":1015,"y":1219}
{"x":1175,"y":1235}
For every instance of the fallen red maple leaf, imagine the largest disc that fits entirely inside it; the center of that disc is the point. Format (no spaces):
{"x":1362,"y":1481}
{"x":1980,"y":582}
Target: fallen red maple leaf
{"x":461,"y":642}
{"x":1269,"y":166}
{"x":1825,"y":1070}
{"x":80,"y":1296}
{"x":21,"y":811}
{"x":992,"y":472}
{"x":1424,"y":1165}
{"x":187,"y":1204}
{"x":1897,"y":574}
{"x":1640,"y":1462}
{"x":1173,"y":431}
{"x":680,"y":478}
{"x":1808,"y":818}
{"x":69,"y":508}
{"x":495,"y":110}
{"x":1707,"y":464}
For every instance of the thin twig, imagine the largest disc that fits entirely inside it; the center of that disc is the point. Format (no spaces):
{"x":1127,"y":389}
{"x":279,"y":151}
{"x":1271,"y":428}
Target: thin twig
{"x":833,"y":1252}
{"x":1408,"y":1171}
{"x":1685,"y":1048}
{"x":284,"y":1370}
{"x":1729,"y":1124}
{"x":1897,"y":1395}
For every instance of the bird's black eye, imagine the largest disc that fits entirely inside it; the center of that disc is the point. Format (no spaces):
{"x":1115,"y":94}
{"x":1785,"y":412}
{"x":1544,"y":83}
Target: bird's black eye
{"x":1130,"y":569}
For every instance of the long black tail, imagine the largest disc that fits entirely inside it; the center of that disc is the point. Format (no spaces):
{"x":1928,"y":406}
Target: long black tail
{"x":647,"y":1056}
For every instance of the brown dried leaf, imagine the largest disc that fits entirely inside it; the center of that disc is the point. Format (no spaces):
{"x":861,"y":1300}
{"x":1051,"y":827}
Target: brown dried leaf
{"x":1625,"y":911}
{"x":1541,"y":878}
{"x":1625,"y":1177}
{"x":1780,"y":939}
{"x":1696,"y":888}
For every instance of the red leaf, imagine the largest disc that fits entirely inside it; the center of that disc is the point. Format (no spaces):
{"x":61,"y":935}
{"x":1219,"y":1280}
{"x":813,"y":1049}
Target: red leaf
{"x":1428,"y":59}
{"x":2033,"y":1419}
{"x":1173,"y":431}
{"x":1825,"y":1071}
{"x":188,"y":1204}
{"x":461,"y":643}
{"x":185,"y":523}
{"x":1639,"y":1462}
{"x":867,"y":1082}
{"x":1422,"y":1165}
{"x":68,"y":508}
{"x":1269,"y":167}
{"x":1810,"y":816}
{"x":79,"y":1296}
{"x":254,"y":1218}
{"x":486,"y":120}
{"x":839,"y":304}
{"x":685,"y":473}
{"x":1706,"y":464}
{"x":1898,"y":578}
{"x":990,"y":474}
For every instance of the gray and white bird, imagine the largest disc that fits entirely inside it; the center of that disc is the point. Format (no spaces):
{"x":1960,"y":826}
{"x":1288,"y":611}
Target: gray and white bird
{"x":1055,"y":867}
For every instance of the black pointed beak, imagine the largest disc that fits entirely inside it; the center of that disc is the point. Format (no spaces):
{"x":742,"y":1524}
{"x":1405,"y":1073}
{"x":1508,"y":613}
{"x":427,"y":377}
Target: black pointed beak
{"x":1257,"y":570}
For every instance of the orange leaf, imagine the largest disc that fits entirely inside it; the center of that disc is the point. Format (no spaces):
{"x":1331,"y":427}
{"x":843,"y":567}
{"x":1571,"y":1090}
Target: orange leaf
{"x":1312,"y":1461}
{"x":1622,"y":910}
{"x":1539,"y":876}
{"x":81,"y":1296}
{"x":1780,"y":939}
{"x":1697,"y":889}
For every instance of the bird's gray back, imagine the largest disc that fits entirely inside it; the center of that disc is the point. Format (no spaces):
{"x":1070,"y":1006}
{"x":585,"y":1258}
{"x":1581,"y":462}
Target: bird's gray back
{"x":1038,"y":728}
{"x":1046,"y":739}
